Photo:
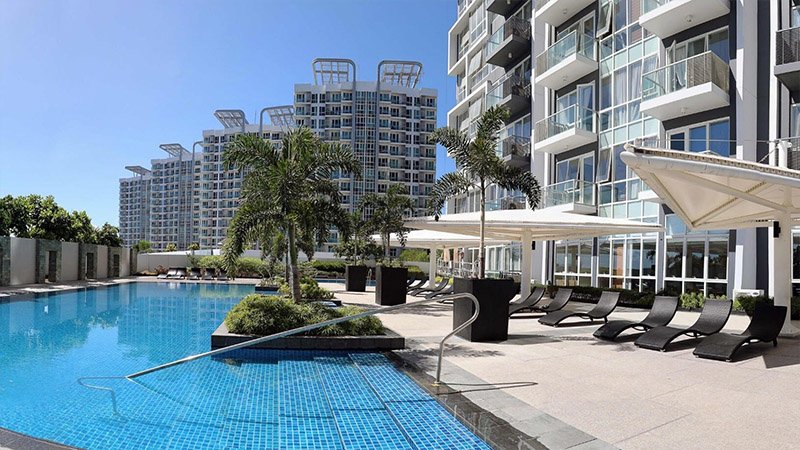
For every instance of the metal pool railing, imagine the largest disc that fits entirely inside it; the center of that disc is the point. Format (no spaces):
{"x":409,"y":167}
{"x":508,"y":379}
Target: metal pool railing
{"x":324,"y":324}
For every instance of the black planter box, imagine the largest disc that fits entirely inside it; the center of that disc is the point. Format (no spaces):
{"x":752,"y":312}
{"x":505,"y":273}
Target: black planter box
{"x":267,"y":289}
{"x":390,"y":285}
{"x":355,"y":278}
{"x":493,"y":296}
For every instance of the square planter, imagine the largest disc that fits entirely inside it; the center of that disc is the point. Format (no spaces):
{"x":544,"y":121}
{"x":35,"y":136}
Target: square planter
{"x":493,"y":296}
{"x":267,"y":289}
{"x":390,"y":285}
{"x":355,"y":278}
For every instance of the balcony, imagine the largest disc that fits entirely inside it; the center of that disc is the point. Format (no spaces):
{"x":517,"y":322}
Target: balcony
{"x":555,"y":12}
{"x":693,"y":85}
{"x":573,"y":196}
{"x":665,"y":18}
{"x":504,"y":203}
{"x":787,"y":57}
{"x":504,"y":7}
{"x":569,"y":59}
{"x":565,"y":130}
{"x":510,"y":43}
{"x":516,"y":151}
{"x":513,"y":93}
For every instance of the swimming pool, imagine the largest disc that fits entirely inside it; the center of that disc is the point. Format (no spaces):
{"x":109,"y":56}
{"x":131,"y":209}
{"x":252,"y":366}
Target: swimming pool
{"x":260,"y":399}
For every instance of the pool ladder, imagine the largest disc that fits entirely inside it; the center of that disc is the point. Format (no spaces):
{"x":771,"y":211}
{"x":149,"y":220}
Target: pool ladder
{"x":299,"y":330}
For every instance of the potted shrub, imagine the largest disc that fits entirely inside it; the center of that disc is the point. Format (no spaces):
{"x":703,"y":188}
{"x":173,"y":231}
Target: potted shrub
{"x":357,"y":245}
{"x":388,"y":213}
{"x":479,"y":168}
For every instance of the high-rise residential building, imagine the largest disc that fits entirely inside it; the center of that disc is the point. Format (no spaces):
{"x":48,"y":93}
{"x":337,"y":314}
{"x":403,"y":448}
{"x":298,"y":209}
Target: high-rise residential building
{"x":170,"y":198}
{"x":386,"y":122}
{"x":692,"y":75}
{"x":134,"y":206}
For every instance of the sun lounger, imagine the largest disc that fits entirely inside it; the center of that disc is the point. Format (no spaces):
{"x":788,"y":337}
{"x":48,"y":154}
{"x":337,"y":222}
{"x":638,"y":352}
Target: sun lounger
{"x":712,"y":318}
{"x":175,"y":273}
{"x":660,"y":314}
{"x":222,"y":275}
{"x":527,"y":303}
{"x":446,"y":291}
{"x":208,"y":275}
{"x":166,"y":274}
{"x":410,"y":281}
{"x":194,"y":274}
{"x":765,"y":327}
{"x":604,"y":307}
{"x":421,"y":283}
{"x":560,"y":301}
{"x":422,"y":291}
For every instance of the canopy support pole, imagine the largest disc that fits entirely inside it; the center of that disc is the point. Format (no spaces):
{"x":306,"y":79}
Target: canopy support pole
{"x":782,"y":273}
{"x":432,"y":266}
{"x":525,"y":265}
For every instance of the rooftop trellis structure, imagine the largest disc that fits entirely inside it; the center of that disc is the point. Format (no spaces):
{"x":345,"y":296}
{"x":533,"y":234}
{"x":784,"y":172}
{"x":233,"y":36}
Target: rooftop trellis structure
{"x":401,"y":73}
{"x":282,"y":116}
{"x":231,"y":118}
{"x":138,"y":170}
{"x":176,"y":150}
{"x":333,"y":71}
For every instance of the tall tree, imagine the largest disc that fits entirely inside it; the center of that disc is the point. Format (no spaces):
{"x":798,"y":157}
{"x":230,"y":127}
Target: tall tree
{"x":281,"y":186}
{"x":108,"y":235}
{"x":388,"y":212}
{"x":479,"y":166}
{"x":143,"y":246}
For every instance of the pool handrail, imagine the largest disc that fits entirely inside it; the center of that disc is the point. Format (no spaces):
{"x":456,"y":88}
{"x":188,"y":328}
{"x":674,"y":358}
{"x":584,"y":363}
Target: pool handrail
{"x":303,"y":329}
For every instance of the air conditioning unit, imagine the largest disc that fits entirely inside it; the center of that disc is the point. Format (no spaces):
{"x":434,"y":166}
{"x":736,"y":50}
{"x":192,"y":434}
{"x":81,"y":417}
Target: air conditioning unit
{"x":747,"y":293}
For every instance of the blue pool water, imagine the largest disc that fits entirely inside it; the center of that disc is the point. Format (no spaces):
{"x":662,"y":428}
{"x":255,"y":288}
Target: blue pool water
{"x":248,"y":399}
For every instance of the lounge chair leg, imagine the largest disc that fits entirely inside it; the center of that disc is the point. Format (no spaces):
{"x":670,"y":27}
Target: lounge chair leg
{"x":775,"y":342}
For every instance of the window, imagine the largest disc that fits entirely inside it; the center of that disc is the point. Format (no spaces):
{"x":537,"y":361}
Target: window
{"x":713,"y":136}
{"x":604,"y":20}
{"x":716,"y":42}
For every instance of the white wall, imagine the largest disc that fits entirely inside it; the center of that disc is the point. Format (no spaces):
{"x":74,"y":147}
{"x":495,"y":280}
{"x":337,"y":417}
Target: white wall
{"x":69,"y":261}
{"x":23,"y":261}
{"x":125,"y":262}
{"x":149,"y":261}
{"x":102,"y":262}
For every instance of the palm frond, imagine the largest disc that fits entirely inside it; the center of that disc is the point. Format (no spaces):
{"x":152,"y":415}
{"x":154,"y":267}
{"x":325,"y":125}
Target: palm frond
{"x":455,"y":141}
{"x":448,"y":185}
{"x":517,"y":179}
{"x":247,"y":150}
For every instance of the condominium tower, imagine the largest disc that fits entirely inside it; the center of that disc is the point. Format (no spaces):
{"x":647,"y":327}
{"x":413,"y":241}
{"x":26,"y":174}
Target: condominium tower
{"x":584,"y":77}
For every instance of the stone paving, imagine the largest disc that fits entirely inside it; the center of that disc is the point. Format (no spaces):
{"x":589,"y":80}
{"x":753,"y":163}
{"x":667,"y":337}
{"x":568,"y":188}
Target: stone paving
{"x":564,"y":386}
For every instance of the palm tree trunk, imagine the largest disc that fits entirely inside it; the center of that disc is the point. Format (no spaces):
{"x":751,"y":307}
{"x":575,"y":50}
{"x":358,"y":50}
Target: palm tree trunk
{"x":386,"y":246}
{"x":294,"y":273}
{"x":482,"y":248}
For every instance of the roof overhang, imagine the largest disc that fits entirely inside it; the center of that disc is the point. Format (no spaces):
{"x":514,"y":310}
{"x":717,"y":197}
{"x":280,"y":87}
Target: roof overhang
{"x":526,"y":224}
{"x":711,"y":192}
{"x":428,"y":238}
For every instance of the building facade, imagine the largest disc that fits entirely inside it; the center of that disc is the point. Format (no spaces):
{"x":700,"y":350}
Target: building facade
{"x":693,"y":75}
{"x":134,"y":206}
{"x":386,"y":122}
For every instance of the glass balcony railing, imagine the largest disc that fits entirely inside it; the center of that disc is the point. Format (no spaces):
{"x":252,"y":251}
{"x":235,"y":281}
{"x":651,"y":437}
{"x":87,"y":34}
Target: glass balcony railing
{"x":461,"y":94}
{"x":787,"y":46}
{"x":513,"y":85}
{"x":514,"y":26}
{"x":514,"y":146}
{"x":649,"y":5}
{"x":693,"y":71}
{"x":571,"y":44}
{"x":571,"y":117}
{"x":504,"y":203}
{"x":570,"y":191}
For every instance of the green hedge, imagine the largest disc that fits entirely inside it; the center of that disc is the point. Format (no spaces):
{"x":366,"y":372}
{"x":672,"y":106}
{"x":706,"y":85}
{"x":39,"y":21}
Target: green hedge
{"x":415,"y":273}
{"x":748,"y":304}
{"x":329,"y":266}
{"x":309,"y":290}
{"x":626,"y":296}
{"x":262,"y":315}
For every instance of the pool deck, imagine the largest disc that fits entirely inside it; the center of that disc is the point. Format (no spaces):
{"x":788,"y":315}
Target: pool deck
{"x":565,"y":389}
{"x":569,"y":390}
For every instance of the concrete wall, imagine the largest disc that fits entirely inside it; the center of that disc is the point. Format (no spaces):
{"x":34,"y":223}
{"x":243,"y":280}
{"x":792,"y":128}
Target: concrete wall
{"x":124,"y":262}
{"x":23,"y":261}
{"x":102,"y":262}
{"x":69,"y":261}
{"x":5,"y":260}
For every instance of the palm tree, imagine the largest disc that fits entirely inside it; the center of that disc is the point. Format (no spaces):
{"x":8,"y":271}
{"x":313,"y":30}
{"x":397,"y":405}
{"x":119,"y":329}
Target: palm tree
{"x":479,"y":166}
{"x":388,"y":213}
{"x":283,"y":188}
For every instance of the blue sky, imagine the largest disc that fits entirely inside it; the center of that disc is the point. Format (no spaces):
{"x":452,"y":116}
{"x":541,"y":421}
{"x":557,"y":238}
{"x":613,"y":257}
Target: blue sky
{"x":88,"y":87}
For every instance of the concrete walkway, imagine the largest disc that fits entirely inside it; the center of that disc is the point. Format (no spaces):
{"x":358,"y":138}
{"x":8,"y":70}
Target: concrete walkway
{"x":563,"y":385}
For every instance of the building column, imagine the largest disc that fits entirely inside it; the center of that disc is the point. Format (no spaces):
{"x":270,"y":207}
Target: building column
{"x":781,"y":273}
{"x":525,"y":265}
{"x":432,"y":266}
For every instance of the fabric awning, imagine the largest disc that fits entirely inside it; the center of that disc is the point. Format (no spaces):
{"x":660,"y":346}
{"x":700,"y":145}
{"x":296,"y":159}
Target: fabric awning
{"x":438,"y":239}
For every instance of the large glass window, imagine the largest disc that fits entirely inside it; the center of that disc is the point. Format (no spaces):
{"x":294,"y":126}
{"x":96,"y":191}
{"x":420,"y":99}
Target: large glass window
{"x":674,"y":263}
{"x":714,"y":136}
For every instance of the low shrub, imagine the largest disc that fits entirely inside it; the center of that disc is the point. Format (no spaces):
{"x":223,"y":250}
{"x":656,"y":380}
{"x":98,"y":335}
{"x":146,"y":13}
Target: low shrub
{"x":696,"y":300}
{"x":413,"y":255}
{"x":268,"y":314}
{"x":415,"y":273}
{"x":748,"y":304}
{"x":329,"y":266}
{"x":309,"y":289}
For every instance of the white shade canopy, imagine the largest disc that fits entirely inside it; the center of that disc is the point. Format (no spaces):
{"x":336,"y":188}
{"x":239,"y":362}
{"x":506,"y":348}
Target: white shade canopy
{"x":712,"y":192}
{"x":438,"y":239}
{"x":526,"y":224}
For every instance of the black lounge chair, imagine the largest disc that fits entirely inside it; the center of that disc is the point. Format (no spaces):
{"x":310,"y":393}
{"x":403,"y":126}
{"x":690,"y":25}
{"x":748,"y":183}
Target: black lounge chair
{"x":422,"y":291}
{"x":559,"y":302}
{"x":712,"y":318}
{"x":410,"y":281}
{"x":222,"y":275}
{"x":419,"y":285}
{"x":194,"y":274}
{"x":208,"y":275}
{"x":660,"y":314}
{"x":521,"y":305}
{"x":765,"y":327}
{"x":446,"y":291}
{"x":604,"y":307}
